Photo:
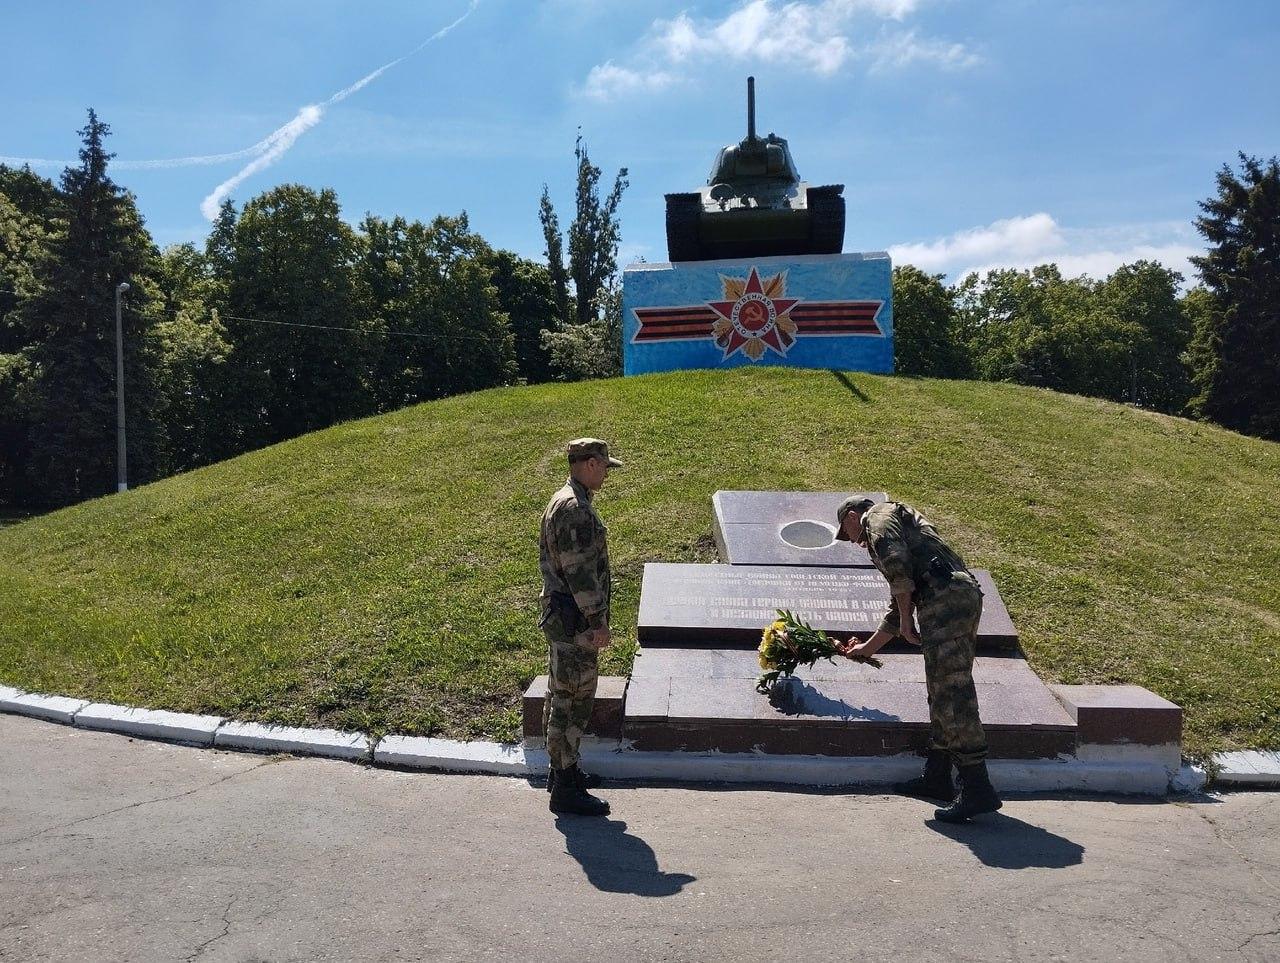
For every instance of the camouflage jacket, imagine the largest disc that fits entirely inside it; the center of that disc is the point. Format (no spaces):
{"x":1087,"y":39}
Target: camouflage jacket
{"x":902,"y":544}
{"x":573,"y":553}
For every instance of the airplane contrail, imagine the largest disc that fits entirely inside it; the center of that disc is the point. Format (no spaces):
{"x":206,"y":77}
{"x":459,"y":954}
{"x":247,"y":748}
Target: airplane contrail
{"x":284,"y":137}
{"x":266,"y":151}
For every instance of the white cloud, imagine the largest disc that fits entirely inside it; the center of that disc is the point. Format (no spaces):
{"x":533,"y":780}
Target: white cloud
{"x":899,"y":50}
{"x":799,"y":34}
{"x":607,"y":81}
{"x":814,"y":36}
{"x":1024,"y":242}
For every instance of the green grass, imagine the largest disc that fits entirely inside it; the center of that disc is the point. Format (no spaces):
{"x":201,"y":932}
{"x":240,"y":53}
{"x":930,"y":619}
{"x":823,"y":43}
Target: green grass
{"x":383,"y":574}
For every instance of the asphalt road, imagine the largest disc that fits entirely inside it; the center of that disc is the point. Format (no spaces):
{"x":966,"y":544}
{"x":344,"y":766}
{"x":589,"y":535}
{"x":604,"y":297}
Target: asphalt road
{"x":116,"y":849}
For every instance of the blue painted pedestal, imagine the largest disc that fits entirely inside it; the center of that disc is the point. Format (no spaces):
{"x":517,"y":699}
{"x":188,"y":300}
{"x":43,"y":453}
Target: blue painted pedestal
{"x":806,"y":311}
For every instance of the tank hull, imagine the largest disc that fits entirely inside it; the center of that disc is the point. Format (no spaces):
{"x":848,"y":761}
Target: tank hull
{"x":805,"y":220}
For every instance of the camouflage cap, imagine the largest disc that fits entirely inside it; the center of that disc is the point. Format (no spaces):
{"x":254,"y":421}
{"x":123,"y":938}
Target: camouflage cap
{"x":581,"y":448}
{"x":851,"y":504}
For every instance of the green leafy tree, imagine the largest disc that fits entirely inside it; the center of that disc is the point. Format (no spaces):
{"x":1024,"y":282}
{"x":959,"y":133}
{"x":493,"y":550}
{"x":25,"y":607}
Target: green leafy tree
{"x":68,"y":401}
{"x":1237,"y":342}
{"x":527,"y":296}
{"x":22,"y":240}
{"x":1037,"y":328}
{"x":291,"y":295}
{"x":1144,"y":296}
{"x":26,"y":210}
{"x":591,"y":350}
{"x":586,"y":321}
{"x":431,"y":295}
{"x":926,"y":333}
{"x":192,"y":352}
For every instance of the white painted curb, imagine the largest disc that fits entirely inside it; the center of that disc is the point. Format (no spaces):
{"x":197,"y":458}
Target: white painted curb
{"x":313,"y":742}
{"x":53,"y":708}
{"x":1249,"y":768}
{"x":419,"y":752}
{"x":149,"y":723}
{"x":1131,"y":774}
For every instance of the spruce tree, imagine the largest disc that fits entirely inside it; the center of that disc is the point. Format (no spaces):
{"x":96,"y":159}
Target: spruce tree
{"x":1236,"y":347}
{"x":97,"y":240}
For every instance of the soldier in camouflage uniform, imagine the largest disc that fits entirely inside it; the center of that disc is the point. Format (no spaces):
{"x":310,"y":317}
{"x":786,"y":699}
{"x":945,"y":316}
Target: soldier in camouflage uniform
{"x":574,"y":557}
{"x":929,"y":581}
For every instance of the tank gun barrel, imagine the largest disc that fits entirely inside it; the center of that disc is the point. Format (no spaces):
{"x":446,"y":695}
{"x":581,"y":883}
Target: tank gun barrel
{"x":751,"y":108}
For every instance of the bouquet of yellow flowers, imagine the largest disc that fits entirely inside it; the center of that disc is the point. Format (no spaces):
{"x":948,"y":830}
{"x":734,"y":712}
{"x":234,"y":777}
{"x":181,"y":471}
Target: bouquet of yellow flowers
{"x":789,"y":643}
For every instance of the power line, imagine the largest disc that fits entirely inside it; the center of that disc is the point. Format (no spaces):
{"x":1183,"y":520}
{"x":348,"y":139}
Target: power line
{"x":174,"y":312}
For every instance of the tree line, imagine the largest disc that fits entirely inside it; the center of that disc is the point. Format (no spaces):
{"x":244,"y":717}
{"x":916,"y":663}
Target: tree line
{"x":286,"y":320}
{"x":1210,"y":352}
{"x":289,"y":319}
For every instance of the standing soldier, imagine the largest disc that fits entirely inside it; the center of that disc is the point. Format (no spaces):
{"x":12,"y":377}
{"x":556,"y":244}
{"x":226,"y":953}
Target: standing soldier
{"x":574,"y":558}
{"x":928,"y":579}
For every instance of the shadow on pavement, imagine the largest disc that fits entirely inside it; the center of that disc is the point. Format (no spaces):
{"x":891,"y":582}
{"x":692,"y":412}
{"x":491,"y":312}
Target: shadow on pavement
{"x":614,"y":860}
{"x":1006,"y":842}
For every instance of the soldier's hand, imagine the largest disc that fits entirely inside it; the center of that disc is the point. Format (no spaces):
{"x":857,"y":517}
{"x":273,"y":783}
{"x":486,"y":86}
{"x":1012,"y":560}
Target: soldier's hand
{"x":853,"y":648}
{"x":909,"y":633}
{"x":600,"y":638}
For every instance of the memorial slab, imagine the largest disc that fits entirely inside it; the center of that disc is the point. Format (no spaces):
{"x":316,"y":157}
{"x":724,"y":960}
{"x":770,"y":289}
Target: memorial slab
{"x":729,"y":605}
{"x":784,"y":528}
{"x":705,"y":700}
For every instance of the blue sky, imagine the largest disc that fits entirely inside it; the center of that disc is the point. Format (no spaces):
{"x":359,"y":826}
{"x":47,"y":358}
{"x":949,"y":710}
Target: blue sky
{"x":968,"y":135}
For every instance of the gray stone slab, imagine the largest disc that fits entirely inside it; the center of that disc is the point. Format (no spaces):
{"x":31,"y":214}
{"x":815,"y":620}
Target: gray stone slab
{"x":54,"y":708}
{"x":702,"y":700}
{"x":8,"y":692}
{"x":668,"y":661}
{"x":150,"y":723}
{"x":332,"y":743}
{"x":647,"y":698}
{"x":784,"y":528}
{"x":729,"y":605}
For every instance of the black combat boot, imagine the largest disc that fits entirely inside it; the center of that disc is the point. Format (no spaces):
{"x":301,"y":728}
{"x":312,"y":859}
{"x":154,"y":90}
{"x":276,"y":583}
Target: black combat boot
{"x":568,"y":797}
{"x":977,"y":796}
{"x":935,"y":782}
{"x":584,"y":780}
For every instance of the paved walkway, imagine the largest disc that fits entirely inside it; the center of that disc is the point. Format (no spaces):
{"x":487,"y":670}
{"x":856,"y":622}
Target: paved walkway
{"x":112,"y":849}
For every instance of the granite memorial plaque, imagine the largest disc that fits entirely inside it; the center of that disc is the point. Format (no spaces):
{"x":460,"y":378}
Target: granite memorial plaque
{"x":784,"y":528}
{"x":729,"y":605}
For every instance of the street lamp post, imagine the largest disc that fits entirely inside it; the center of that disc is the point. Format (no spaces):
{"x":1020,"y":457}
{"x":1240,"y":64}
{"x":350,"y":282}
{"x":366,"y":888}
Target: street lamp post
{"x":122,"y":484}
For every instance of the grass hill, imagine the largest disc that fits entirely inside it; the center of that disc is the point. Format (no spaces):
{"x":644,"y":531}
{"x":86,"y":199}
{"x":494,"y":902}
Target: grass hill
{"x":383,"y":575}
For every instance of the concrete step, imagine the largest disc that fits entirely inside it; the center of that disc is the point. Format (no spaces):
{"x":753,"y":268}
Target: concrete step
{"x":699,"y":699}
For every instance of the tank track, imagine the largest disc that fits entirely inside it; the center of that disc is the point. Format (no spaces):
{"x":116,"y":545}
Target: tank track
{"x":683,"y":211}
{"x":826,"y":219}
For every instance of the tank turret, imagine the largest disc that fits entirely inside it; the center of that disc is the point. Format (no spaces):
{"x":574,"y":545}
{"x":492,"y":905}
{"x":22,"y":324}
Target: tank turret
{"x":755,"y":205}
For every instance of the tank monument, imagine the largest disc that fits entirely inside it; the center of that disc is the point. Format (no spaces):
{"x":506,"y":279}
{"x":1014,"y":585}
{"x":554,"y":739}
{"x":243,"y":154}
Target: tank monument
{"x":756,"y":274}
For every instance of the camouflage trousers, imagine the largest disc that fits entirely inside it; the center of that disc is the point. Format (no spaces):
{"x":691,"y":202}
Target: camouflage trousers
{"x":949,"y":637}
{"x":571,"y":692}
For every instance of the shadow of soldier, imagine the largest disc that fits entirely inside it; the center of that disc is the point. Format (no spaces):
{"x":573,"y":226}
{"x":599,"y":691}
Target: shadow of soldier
{"x":614,"y":860}
{"x":1006,"y":842}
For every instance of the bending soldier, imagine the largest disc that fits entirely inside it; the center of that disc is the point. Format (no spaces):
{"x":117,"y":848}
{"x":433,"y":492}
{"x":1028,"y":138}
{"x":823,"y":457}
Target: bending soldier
{"x":574,"y":558}
{"x":930,"y":581}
